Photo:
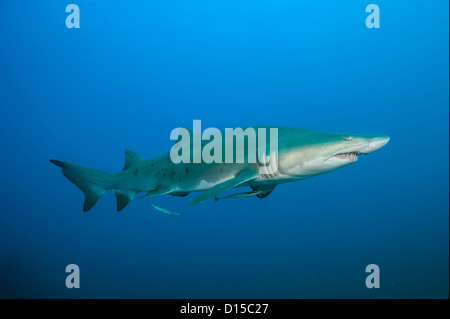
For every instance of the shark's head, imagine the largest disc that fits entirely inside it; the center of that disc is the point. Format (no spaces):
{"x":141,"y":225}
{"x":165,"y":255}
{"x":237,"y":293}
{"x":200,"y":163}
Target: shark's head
{"x":314,"y":152}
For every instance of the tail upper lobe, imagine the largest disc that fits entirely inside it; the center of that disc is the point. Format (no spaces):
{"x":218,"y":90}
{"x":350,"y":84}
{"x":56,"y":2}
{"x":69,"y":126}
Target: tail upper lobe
{"x":92,"y":182}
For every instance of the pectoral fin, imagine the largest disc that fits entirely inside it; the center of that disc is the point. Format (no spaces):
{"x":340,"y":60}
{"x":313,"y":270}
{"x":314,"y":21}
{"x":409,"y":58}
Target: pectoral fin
{"x":183,"y":194}
{"x":264,"y":190}
{"x":158,"y":191}
{"x":238,"y":195}
{"x":241,"y":177}
{"x":261,"y":191}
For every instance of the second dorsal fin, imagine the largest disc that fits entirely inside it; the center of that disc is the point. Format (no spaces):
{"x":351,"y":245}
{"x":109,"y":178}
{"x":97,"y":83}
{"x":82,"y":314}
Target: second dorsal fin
{"x":131,"y":159}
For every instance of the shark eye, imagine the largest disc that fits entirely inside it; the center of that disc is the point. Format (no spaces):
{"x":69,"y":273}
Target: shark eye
{"x":348,"y":138}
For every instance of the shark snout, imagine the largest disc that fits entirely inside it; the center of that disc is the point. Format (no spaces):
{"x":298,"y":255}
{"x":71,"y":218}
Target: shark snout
{"x":376,"y":143}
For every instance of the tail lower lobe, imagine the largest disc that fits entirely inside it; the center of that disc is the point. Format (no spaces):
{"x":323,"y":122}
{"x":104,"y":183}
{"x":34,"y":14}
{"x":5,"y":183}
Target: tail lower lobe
{"x":92,"y":182}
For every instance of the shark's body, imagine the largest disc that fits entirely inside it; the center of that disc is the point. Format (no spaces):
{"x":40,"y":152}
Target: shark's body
{"x":302,"y":153}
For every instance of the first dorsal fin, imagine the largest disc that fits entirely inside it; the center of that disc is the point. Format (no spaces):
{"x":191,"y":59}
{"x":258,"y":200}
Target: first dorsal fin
{"x":131,"y":158}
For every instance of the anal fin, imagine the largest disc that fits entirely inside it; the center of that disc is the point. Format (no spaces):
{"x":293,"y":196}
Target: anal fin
{"x":123,"y":197}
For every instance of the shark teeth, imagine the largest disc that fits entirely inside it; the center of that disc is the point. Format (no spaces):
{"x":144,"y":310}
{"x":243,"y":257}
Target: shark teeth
{"x":353,"y":156}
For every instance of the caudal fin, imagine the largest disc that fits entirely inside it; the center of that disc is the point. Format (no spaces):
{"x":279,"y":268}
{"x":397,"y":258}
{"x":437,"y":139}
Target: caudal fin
{"x":91,"y":181}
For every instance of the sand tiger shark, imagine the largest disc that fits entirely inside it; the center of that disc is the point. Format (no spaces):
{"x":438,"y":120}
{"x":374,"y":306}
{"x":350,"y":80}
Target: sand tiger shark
{"x":302,"y":153}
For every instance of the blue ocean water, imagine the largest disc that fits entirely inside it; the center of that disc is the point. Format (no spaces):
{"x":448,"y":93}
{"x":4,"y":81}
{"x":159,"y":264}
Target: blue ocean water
{"x":135,"y":70}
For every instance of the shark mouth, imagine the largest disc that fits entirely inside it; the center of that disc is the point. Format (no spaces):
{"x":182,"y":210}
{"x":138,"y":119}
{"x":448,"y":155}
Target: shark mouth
{"x":352,"y":156}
